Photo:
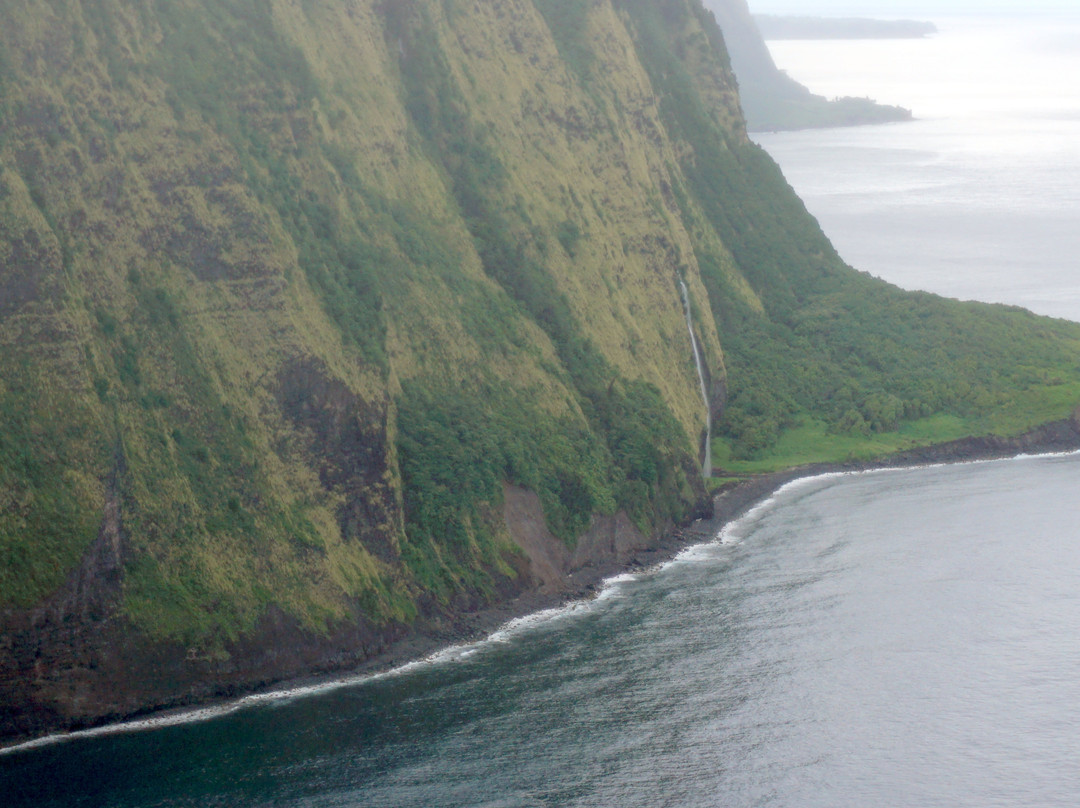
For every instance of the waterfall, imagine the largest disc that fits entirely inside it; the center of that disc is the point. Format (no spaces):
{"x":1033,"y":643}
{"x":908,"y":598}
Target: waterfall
{"x":706,"y":466}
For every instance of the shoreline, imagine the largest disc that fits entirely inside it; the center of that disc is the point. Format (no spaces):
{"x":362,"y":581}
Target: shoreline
{"x":432,"y":641}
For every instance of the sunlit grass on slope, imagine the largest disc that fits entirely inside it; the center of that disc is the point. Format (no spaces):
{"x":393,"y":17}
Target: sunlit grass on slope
{"x":812,"y":440}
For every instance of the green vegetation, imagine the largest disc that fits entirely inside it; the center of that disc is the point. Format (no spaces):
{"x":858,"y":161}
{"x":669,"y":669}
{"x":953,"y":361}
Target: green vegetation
{"x":568,"y":22}
{"x":305,"y":284}
{"x":718,"y":483}
{"x":864,"y":359}
{"x":815,"y":442}
{"x":210,"y":62}
{"x":457,"y":449}
{"x":630,"y":451}
{"x":774,"y":26}
{"x":47,"y":481}
{"x":804,"y":110}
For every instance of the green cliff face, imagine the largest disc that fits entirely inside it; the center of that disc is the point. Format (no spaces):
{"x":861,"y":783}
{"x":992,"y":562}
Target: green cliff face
{"x":291,"y":291}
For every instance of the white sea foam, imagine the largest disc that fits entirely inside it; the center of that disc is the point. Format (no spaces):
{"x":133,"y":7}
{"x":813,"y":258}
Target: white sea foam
{"x":737,"y":529}
{"x":520,"y":625}
{"x":450,"y":655}
{"x":283,"y":696}
{"x":692,"y":554}
{"x":1048,"y":455}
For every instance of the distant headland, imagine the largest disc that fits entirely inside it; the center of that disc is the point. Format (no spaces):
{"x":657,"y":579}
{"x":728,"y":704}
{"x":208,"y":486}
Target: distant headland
{"x":772,"y":100}
{"x":792,"y":27}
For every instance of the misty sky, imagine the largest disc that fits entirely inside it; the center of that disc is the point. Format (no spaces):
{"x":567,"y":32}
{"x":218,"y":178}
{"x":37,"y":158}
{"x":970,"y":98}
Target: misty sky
{"x":907,"y":8}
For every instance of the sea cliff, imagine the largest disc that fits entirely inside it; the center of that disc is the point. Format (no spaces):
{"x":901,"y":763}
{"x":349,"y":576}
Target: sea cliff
{"x":328,"y":325}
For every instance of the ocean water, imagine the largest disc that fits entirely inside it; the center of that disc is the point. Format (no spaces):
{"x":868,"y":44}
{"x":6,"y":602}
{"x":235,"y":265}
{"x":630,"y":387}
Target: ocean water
{"x":900,"y":638}
{"x":977,"y":199}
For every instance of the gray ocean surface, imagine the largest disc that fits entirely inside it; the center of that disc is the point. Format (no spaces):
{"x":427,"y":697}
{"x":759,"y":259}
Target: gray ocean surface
{"x":900,"y":638}
{"x":979,"y":198}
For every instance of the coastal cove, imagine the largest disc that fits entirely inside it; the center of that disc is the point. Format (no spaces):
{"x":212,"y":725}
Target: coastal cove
{"x":315,"y":746}
{"x":432,"y":643}
{"x":441,"y":404}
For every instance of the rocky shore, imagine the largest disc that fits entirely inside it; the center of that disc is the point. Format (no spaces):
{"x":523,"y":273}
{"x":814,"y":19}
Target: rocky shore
{"x":443,"y":628}
{"x":727,"y":506}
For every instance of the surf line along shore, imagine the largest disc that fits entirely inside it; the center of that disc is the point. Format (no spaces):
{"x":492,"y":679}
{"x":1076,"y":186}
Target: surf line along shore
{"x":445,"y":640}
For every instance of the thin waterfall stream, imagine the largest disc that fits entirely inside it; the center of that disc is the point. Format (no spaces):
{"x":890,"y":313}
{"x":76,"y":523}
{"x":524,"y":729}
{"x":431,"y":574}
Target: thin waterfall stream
{"x":706,"y":466}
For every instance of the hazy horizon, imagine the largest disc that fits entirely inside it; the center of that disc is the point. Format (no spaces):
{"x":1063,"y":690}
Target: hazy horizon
{"x":909,"y":8}
{"x":977,"y":197}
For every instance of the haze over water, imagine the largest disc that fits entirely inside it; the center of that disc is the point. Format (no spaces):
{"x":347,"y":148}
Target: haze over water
{"x":903,"y":638}
{"x":977,"y":199}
